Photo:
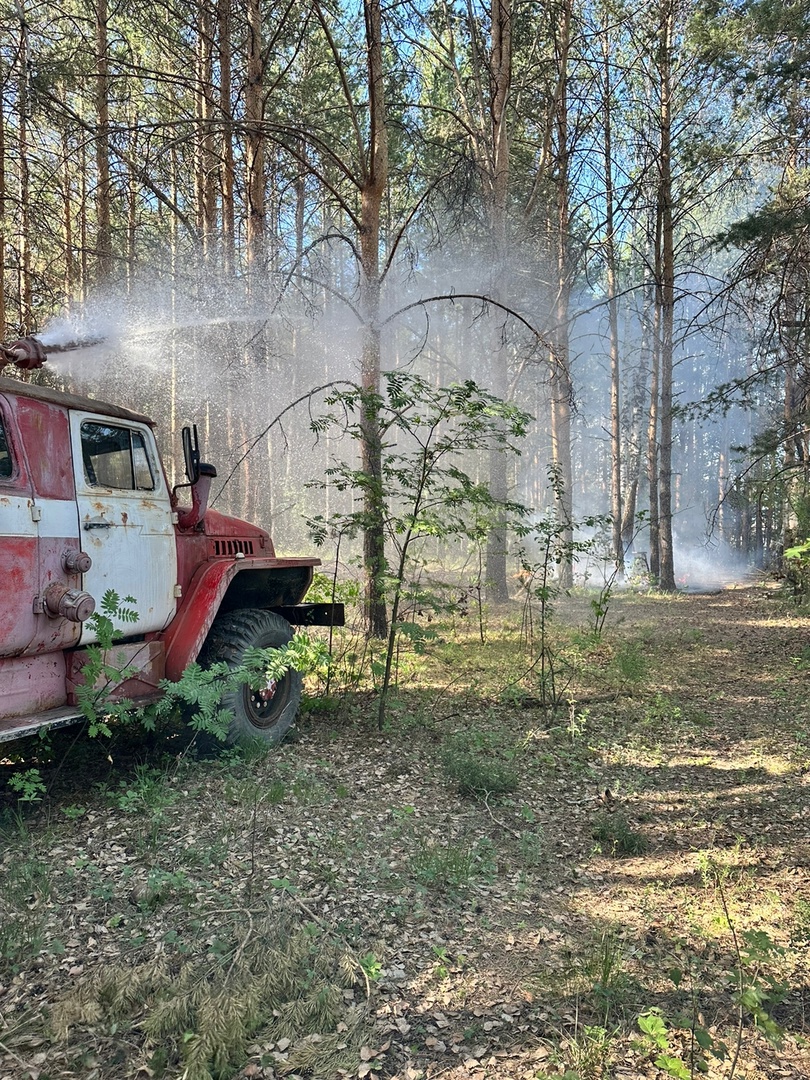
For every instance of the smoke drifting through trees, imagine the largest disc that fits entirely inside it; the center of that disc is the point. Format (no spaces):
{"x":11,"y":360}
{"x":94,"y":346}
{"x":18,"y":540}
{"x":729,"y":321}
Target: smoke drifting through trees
{"x":238,"y":164}
{"x":184,"y":362}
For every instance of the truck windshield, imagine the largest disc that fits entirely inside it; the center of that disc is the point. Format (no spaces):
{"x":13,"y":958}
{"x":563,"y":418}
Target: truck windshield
{"x":115,"y":457}
{"x":5,"y":453}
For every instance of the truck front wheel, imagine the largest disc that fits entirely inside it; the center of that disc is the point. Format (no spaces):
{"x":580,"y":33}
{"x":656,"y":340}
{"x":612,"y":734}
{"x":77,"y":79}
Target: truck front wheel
{"x":268,"y":713}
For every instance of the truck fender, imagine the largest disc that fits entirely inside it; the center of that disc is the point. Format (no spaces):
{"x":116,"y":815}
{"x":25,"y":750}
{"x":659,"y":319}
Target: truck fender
{"x":185,"y":636}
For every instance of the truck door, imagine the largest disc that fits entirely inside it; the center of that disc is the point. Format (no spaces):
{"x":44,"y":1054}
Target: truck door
{"x":18,"y":541}
{"x":125,"y":518}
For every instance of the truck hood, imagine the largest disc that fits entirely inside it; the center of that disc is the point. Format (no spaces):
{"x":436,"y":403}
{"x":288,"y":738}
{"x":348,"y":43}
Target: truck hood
{"x":216,"y":524}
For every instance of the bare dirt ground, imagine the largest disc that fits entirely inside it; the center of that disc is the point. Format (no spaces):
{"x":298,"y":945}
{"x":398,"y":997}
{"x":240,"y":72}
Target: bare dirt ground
{"x":338,"y":908}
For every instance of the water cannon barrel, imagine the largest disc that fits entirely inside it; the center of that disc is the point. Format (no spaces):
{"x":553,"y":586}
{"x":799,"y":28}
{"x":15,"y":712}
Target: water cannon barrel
{"x":71,"y":346}
{"x":27,"y":353}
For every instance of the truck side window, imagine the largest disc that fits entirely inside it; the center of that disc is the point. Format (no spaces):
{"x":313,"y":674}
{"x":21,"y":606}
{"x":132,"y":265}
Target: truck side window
{"x":115,"y":457}
{"x":6,"y":464}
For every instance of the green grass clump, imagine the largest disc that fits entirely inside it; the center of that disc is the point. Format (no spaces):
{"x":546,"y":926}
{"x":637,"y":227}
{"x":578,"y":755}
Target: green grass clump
{"x":454,"y":866}
{"x":26,"y":884}
{"x":616,"y":837}
{"x":476,"y":767}
{"x":801,"y":918}
{"x":630,"y":661}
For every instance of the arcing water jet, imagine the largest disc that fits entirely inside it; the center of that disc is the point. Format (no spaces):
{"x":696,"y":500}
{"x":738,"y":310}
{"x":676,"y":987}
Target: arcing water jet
{"x":28,"y":353}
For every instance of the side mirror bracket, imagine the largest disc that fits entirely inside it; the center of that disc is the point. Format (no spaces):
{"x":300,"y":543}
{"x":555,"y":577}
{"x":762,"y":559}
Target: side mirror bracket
{"x":199,"y":474}
{"x":191,"y":453}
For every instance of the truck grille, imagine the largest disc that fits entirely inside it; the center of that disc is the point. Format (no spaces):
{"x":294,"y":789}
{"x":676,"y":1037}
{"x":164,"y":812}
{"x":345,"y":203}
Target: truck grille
{"x":233,"y":547}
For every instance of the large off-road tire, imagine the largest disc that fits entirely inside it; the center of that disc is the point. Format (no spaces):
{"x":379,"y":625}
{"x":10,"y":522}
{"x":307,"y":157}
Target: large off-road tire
{"x":265,"y":714}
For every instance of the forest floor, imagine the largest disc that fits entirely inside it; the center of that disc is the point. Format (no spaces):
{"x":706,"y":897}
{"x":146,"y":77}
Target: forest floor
{"x":633,"y":903}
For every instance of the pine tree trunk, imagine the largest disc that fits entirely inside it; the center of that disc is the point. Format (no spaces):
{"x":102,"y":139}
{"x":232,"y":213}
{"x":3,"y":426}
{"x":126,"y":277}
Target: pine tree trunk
{"x":102,"y":146}
{"x":374,"y":186}
{"x":84,"y":272}
{"x":667,"y":294}
{"x":132,"y":222}
{"x":501,"y":77}
{"x":652,"y":440}
{"x":25,"y":287}
{"x":67,"y":222}
{"x":205,"y":162}
{"x":254,"y":147}
{"x":613,"y":322}
{"x":561,"y":385}
{"x":226,"y":148}
{"x":300,"y":211}
{"x":3,"y":334}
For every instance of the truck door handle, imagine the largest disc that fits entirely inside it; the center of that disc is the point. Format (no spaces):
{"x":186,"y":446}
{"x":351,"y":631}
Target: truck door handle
{"x":97,"y":525}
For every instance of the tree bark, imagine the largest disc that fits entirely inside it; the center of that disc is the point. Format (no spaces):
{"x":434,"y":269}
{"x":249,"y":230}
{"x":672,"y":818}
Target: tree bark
{"x":254,"y":147}
{"x":24,"y":240}
{"x":102,"y":147}
{"x":3,"y":334}
{"x":652,"y":446}
{"x":205,"y":178}
{"x":653,"y":418}
{"x":500,"y":77}
{"x":67,"y":221}
{"x":84,"y":266}
{"x":613,"y":319}
{"x":667,"y":295}
{"x":373,"y":187}
{"x":228,"y":169}
{"x":561,"y":385}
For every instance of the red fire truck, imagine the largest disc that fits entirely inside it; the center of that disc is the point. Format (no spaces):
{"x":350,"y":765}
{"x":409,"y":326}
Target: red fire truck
{"x":85,"y":507}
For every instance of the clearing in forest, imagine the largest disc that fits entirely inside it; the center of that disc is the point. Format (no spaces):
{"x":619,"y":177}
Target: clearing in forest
{"x":483,"y":889}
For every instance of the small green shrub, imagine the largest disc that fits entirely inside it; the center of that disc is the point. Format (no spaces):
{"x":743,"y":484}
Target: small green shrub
{"x":584,"y":1056}
{"x":630,"y":661}
{"x":29,"y":785}
{"x":616,"y":837}
{"x":603,"y":964}
{"x":532,"y":846}
{"x":162,"y":885}
{"x":662,"y":710}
